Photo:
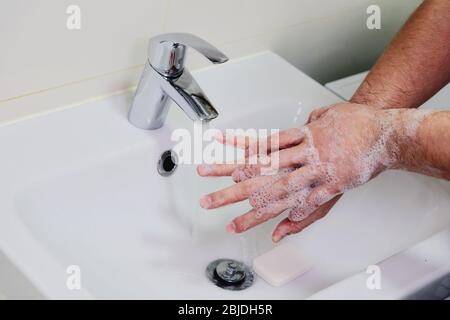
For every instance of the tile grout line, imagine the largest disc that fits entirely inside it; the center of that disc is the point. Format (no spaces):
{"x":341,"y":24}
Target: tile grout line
{"x":67,"y":84}
{"x":164,"y":21}
{"x":290,"y":26}
{"x":164,"y":29}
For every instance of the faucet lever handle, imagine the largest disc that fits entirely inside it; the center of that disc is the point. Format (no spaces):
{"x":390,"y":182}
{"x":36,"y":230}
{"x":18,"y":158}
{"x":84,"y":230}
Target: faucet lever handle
{"x":166,"y":52}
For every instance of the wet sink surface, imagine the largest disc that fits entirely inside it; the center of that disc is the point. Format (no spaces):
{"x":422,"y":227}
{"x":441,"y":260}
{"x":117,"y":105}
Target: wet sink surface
{"x":80,"y":187}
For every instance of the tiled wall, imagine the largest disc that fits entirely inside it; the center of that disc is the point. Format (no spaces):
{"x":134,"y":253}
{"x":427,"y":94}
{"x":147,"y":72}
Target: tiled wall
{"x":327,"y":39}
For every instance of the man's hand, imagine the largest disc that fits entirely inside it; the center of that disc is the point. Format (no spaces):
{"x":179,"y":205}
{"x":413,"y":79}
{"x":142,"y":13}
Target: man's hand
{"x":412,"y":69}
{"x":345,"y":146}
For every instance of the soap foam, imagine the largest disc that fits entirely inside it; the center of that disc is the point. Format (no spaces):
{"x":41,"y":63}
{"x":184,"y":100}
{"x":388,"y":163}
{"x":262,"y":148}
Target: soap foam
{"x":244,"y":173}
{"x":364,"y":161}
{"x":262,"y":197}
{"x":414,"y":120}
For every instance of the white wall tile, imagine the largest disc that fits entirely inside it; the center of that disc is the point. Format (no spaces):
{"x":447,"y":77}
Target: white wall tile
{"x":327,"y":41}
{"x":339,"y":45}
{"x":38,"y":51}
{"x":325,"y":38}
{"x":225,"y":21}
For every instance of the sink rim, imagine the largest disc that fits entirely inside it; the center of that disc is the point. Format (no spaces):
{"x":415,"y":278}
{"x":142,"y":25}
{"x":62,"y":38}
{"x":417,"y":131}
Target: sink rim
{"x":45,"y":280}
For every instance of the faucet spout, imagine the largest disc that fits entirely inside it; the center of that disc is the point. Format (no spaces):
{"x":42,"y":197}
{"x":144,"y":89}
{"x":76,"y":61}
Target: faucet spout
{"x":188,"y":95}
{"x":164,"y":78}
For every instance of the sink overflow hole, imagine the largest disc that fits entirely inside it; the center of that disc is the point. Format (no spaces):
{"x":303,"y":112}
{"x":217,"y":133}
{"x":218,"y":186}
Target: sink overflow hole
{"x":167,"y":163}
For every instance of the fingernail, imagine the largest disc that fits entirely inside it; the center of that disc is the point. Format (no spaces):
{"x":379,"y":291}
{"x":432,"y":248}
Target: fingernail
{"x":204,"y":169}
{"x":276,"y":238}
{"x":205,"y":202}
{"x":231,"y":227}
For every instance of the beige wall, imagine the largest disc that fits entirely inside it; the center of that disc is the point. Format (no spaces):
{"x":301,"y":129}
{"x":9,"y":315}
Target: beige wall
{"x":327,"y":39}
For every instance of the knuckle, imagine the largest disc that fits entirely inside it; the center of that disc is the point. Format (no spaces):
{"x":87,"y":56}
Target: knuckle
{"x":214,"y":198}
{"x":242,"y":223}
{"x":285,"y":182}
{"x":253,"y":200}
{"x":246,"y":187}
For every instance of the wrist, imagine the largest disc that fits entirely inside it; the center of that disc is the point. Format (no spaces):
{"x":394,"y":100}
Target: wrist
{"x":401,"y":136}
{"x":367,"y":95}
{"x":369,"y":100}
{"x":404,"y":144}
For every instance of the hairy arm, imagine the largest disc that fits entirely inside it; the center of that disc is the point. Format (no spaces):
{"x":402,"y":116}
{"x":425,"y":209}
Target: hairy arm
{"x":415,"y":65}
{"x":424,"y":142}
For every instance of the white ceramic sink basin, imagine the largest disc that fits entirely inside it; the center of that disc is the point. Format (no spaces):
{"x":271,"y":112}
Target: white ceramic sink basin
{"x":80,"y":187}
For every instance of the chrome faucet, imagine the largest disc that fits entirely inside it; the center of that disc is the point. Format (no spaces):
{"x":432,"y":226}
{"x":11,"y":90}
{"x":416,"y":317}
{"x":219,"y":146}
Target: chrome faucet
{"x":165,"y":77}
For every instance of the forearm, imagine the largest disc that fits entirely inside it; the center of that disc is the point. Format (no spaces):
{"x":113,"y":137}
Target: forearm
{"x":415,"y":65}
{"x":424,"y":143}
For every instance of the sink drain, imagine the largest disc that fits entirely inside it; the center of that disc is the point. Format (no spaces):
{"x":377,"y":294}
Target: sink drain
{"x":229,"y":274}
{"x":167,"y":163}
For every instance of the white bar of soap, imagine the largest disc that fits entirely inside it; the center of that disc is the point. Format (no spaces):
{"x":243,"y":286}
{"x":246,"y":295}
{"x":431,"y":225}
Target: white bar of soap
{"x":282,"y":264}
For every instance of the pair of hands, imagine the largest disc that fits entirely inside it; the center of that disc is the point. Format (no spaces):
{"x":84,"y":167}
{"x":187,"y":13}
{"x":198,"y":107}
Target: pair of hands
{"x":342,"y":146}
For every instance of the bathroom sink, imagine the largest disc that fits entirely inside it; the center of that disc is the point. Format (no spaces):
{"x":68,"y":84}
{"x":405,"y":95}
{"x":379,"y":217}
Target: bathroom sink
{"x":80,"y":187}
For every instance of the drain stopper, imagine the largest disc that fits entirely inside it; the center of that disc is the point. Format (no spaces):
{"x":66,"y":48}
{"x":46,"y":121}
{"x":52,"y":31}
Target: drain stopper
{"x":229,"y":274}
{"x":230,"y":271}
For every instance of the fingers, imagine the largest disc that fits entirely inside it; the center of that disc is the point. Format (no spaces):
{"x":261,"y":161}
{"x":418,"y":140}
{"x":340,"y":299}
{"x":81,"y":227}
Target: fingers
{"x":216,"y":170}
{"x":276,"y":141}
{"x":290,"y":157}
{"x":235,"y":193}
{"x":295,"y":181}
{"x":281,"y":140}
{"x":254,"y":217}
{"x":238,"y":172}
{"x":238,"y":141}
{"x":317,"y":113}
{"x":313,"y":200}
{"x":287,"y":227}
{"x":284,"y":139}
{"x":257,"y":216}
{"x":321,"y":195}
{"x":245,"y":173}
